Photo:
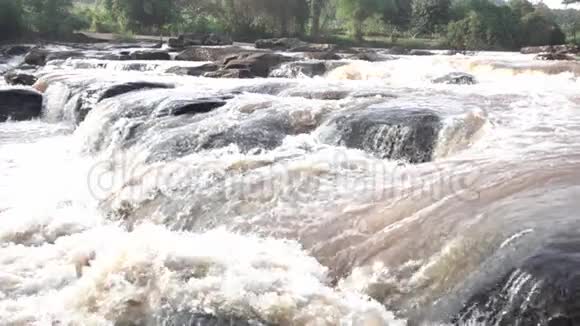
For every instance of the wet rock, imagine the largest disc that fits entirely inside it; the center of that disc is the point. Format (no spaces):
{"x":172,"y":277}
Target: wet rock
{"x":150,"y":55}
{"x":420,"y":53}
{"x":285,"y":43}
{"x":456,"y":78}
{"x":312,"y":47}
{"x":210,"y":54}
{"x":175,"y":43}
{"x":36,"y":57}
{"x":20,"y":77}
{"x":63,"y":55}
{"x":201,"y":319}
{"x":298,"y":69}
{"x":196,"y":39}
{"x":328,"y":55}
{"x":259,"y":64}
{"x":567,"y":48}
{"x":544,"y":290}
{"x":230,"y":73}
{"x":20,"y":104}
{"x":124,"y":88}
{"x":14,"y":50}
{"x":388,"y":133}
{"x":369,"y":56}
{"x":192,"y":106}
{"x":554,"y":56}
{"x":193,"y":71}
{"x":396,"y":50}
{"x":91,"y":96}
{"x":264,"y":132}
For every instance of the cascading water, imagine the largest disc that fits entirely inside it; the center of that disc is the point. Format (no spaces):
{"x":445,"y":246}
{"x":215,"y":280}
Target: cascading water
{"x":366,"y":196}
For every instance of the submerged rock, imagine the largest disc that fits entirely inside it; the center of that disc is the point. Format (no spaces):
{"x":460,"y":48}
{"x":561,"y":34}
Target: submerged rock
{"x":554,"y":56}
{"x":150,"y":55}
{"x":36,"y":57}
{"x":123,"y":88}
{"x":90,"y":97}
{"x":20,"y":104}
{"x":301,"y":68}
{"x":285,"y":43}
{"x":544,"y":290}
{"x":210,"y":54}
{"x":20,"y":76}
{"x":16,"y":50}
{"x":387,"y":133}
{"x":191,"y":106}
{"x":456,"y":78}
{"x":193,"y":71}
{"x":421,"y":52}
{"x":259,"y":64}
{"x":369,"y":56}
{"x":326,"y":55}
{"x":229,"y":73}
{"x":193,"y":39}
{"x":39,"y":56}
{"x":265,"y":132}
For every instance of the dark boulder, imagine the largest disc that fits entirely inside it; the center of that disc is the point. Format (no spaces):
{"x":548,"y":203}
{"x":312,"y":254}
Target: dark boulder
{"x":327,"y":55}
{"x":150,"y":55}
{"x":209,"y":53}
{"x":369,"y":56}
{"x":259,"y":64}
{"x":196,"y":39}
{"x":421,"y":53}
{"x":300,"y":68}
{"x":456,"y":78}
{"x":217,"y":39}
{"x":193,"y":71}
{"x":284,"y":43}
{"x":20,"y":77}
{"x":572,"y":49}
{"x":266,"y":132}
{"x":91,"y":96}
{"x":230,"y":73}
{"x":63,"y":55}
{"x":554,"y":56}
{"x":36,"y":57}
{"x":543,"y":290}
{"x":16,"y":50}
{"x":39,"y":57}
{"x":119,"y":89}
{"x":191,"y":106}
{"x":20,"y":104}
{"x":175,"y":43}
{"x":312,"y":47}
{"x":396,"y":50}
{"x":388,"y":133}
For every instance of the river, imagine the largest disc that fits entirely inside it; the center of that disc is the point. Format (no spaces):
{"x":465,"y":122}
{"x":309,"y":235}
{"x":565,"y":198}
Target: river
{"x":260,"y":212}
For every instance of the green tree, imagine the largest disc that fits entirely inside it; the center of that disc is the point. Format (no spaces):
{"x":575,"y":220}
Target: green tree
{"x":541,"y":30}
{"x":521,"y":7}
{"x":11,"y":23}
{"x":428,"y":14}
{"x":141,"y":15}
{"x":357,"y":11}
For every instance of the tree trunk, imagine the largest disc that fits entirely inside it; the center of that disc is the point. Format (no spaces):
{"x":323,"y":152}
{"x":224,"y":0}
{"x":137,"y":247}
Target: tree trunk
{"x":316,"y":8}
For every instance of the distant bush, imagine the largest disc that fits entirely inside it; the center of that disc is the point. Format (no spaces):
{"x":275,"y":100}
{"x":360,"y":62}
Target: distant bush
{"x":11,"y":24}
{"x":539,"y":30}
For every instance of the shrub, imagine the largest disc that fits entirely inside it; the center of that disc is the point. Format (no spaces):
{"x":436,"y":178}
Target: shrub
{"x":11,"y":24}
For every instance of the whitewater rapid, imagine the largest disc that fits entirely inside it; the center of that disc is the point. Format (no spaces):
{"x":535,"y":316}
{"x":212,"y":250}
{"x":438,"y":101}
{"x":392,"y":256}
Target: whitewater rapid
{"x":130,"y":217}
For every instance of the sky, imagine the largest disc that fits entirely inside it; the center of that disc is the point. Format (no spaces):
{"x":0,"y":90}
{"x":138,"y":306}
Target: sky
{"x":558,"y":4}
